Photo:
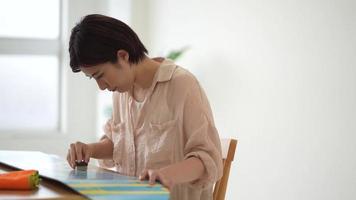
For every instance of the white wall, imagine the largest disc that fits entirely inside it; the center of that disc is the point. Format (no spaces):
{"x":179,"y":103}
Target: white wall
{"x":281,"y":77}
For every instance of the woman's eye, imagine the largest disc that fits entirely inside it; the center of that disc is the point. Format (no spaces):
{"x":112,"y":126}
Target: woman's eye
{"x":101,"y":75}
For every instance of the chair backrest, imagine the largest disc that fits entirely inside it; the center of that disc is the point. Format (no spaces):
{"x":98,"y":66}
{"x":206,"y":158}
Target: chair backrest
{"x":228,"y":147}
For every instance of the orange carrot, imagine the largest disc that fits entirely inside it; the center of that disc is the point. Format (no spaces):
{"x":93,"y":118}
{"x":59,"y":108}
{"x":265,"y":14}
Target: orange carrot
{"x":22,"y":180}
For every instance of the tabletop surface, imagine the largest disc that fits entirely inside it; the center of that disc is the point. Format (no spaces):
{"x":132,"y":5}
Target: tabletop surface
{"x":93,"y":183}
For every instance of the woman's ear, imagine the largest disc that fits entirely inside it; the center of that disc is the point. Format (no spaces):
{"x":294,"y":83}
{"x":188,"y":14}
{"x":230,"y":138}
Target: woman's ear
{"x":123,"y":55}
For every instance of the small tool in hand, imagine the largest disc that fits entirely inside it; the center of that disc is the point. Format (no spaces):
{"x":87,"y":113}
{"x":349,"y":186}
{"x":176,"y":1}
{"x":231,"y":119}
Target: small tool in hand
{"x":81,"y":165}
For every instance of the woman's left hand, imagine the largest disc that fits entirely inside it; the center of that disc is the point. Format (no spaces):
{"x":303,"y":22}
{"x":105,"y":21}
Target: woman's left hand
{"x":153,"y":175}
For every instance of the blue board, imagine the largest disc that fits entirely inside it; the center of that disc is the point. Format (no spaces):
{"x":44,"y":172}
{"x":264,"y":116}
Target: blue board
{"x":94,"y":183}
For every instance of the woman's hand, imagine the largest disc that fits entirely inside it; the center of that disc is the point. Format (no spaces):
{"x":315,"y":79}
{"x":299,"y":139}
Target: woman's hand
{"x":79,"y":152}
{"x":153,"y":175}
{"x":185,"y":171}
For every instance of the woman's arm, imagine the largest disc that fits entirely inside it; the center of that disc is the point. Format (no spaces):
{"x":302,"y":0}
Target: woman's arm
{"x":102,"y":149}
{"x":188,"y":170}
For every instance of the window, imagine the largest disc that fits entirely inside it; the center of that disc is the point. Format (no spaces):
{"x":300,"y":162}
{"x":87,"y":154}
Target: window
{"x":29,"y":64}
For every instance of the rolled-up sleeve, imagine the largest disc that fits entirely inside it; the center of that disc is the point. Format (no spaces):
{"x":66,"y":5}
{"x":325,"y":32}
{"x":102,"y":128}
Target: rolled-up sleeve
{"x":202,"y":139}
{"x":107,"y":163}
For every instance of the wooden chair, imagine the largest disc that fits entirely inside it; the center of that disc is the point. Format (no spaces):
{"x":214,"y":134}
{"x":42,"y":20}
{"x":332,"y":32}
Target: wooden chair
{"x":228,"y":152}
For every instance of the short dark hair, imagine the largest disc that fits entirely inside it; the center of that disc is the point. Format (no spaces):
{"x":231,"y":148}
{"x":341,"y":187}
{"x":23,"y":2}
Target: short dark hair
{"x":97,"y":38}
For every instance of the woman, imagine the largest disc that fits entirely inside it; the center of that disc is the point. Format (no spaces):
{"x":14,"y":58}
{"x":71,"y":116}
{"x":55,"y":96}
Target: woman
{"x":162,"y":127}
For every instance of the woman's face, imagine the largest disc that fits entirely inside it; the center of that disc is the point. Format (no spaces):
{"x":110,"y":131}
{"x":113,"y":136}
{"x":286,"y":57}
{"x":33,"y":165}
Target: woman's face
{"x":117,"y":76}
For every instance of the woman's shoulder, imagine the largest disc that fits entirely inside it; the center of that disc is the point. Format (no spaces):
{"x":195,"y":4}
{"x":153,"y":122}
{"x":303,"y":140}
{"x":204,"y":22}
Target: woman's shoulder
{"x":183,"y":77}
{"x":180,"y":82}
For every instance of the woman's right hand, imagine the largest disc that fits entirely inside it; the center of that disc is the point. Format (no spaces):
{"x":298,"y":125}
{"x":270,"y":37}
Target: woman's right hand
{"x":79,"y":152}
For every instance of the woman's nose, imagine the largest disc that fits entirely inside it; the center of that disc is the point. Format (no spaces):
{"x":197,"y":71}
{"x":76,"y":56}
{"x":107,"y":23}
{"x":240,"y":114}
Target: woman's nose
{"x":102,"y":85}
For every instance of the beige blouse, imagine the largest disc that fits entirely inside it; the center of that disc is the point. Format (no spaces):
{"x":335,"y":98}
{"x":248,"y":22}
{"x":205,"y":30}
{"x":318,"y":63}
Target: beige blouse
{"x":174,"y":122}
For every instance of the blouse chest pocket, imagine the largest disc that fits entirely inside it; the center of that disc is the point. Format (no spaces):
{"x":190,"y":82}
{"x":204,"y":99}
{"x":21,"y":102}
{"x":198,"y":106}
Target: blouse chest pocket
{"x":160,"y":142}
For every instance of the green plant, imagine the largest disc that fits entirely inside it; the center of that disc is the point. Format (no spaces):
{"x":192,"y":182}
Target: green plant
{"x":175,"y":54}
